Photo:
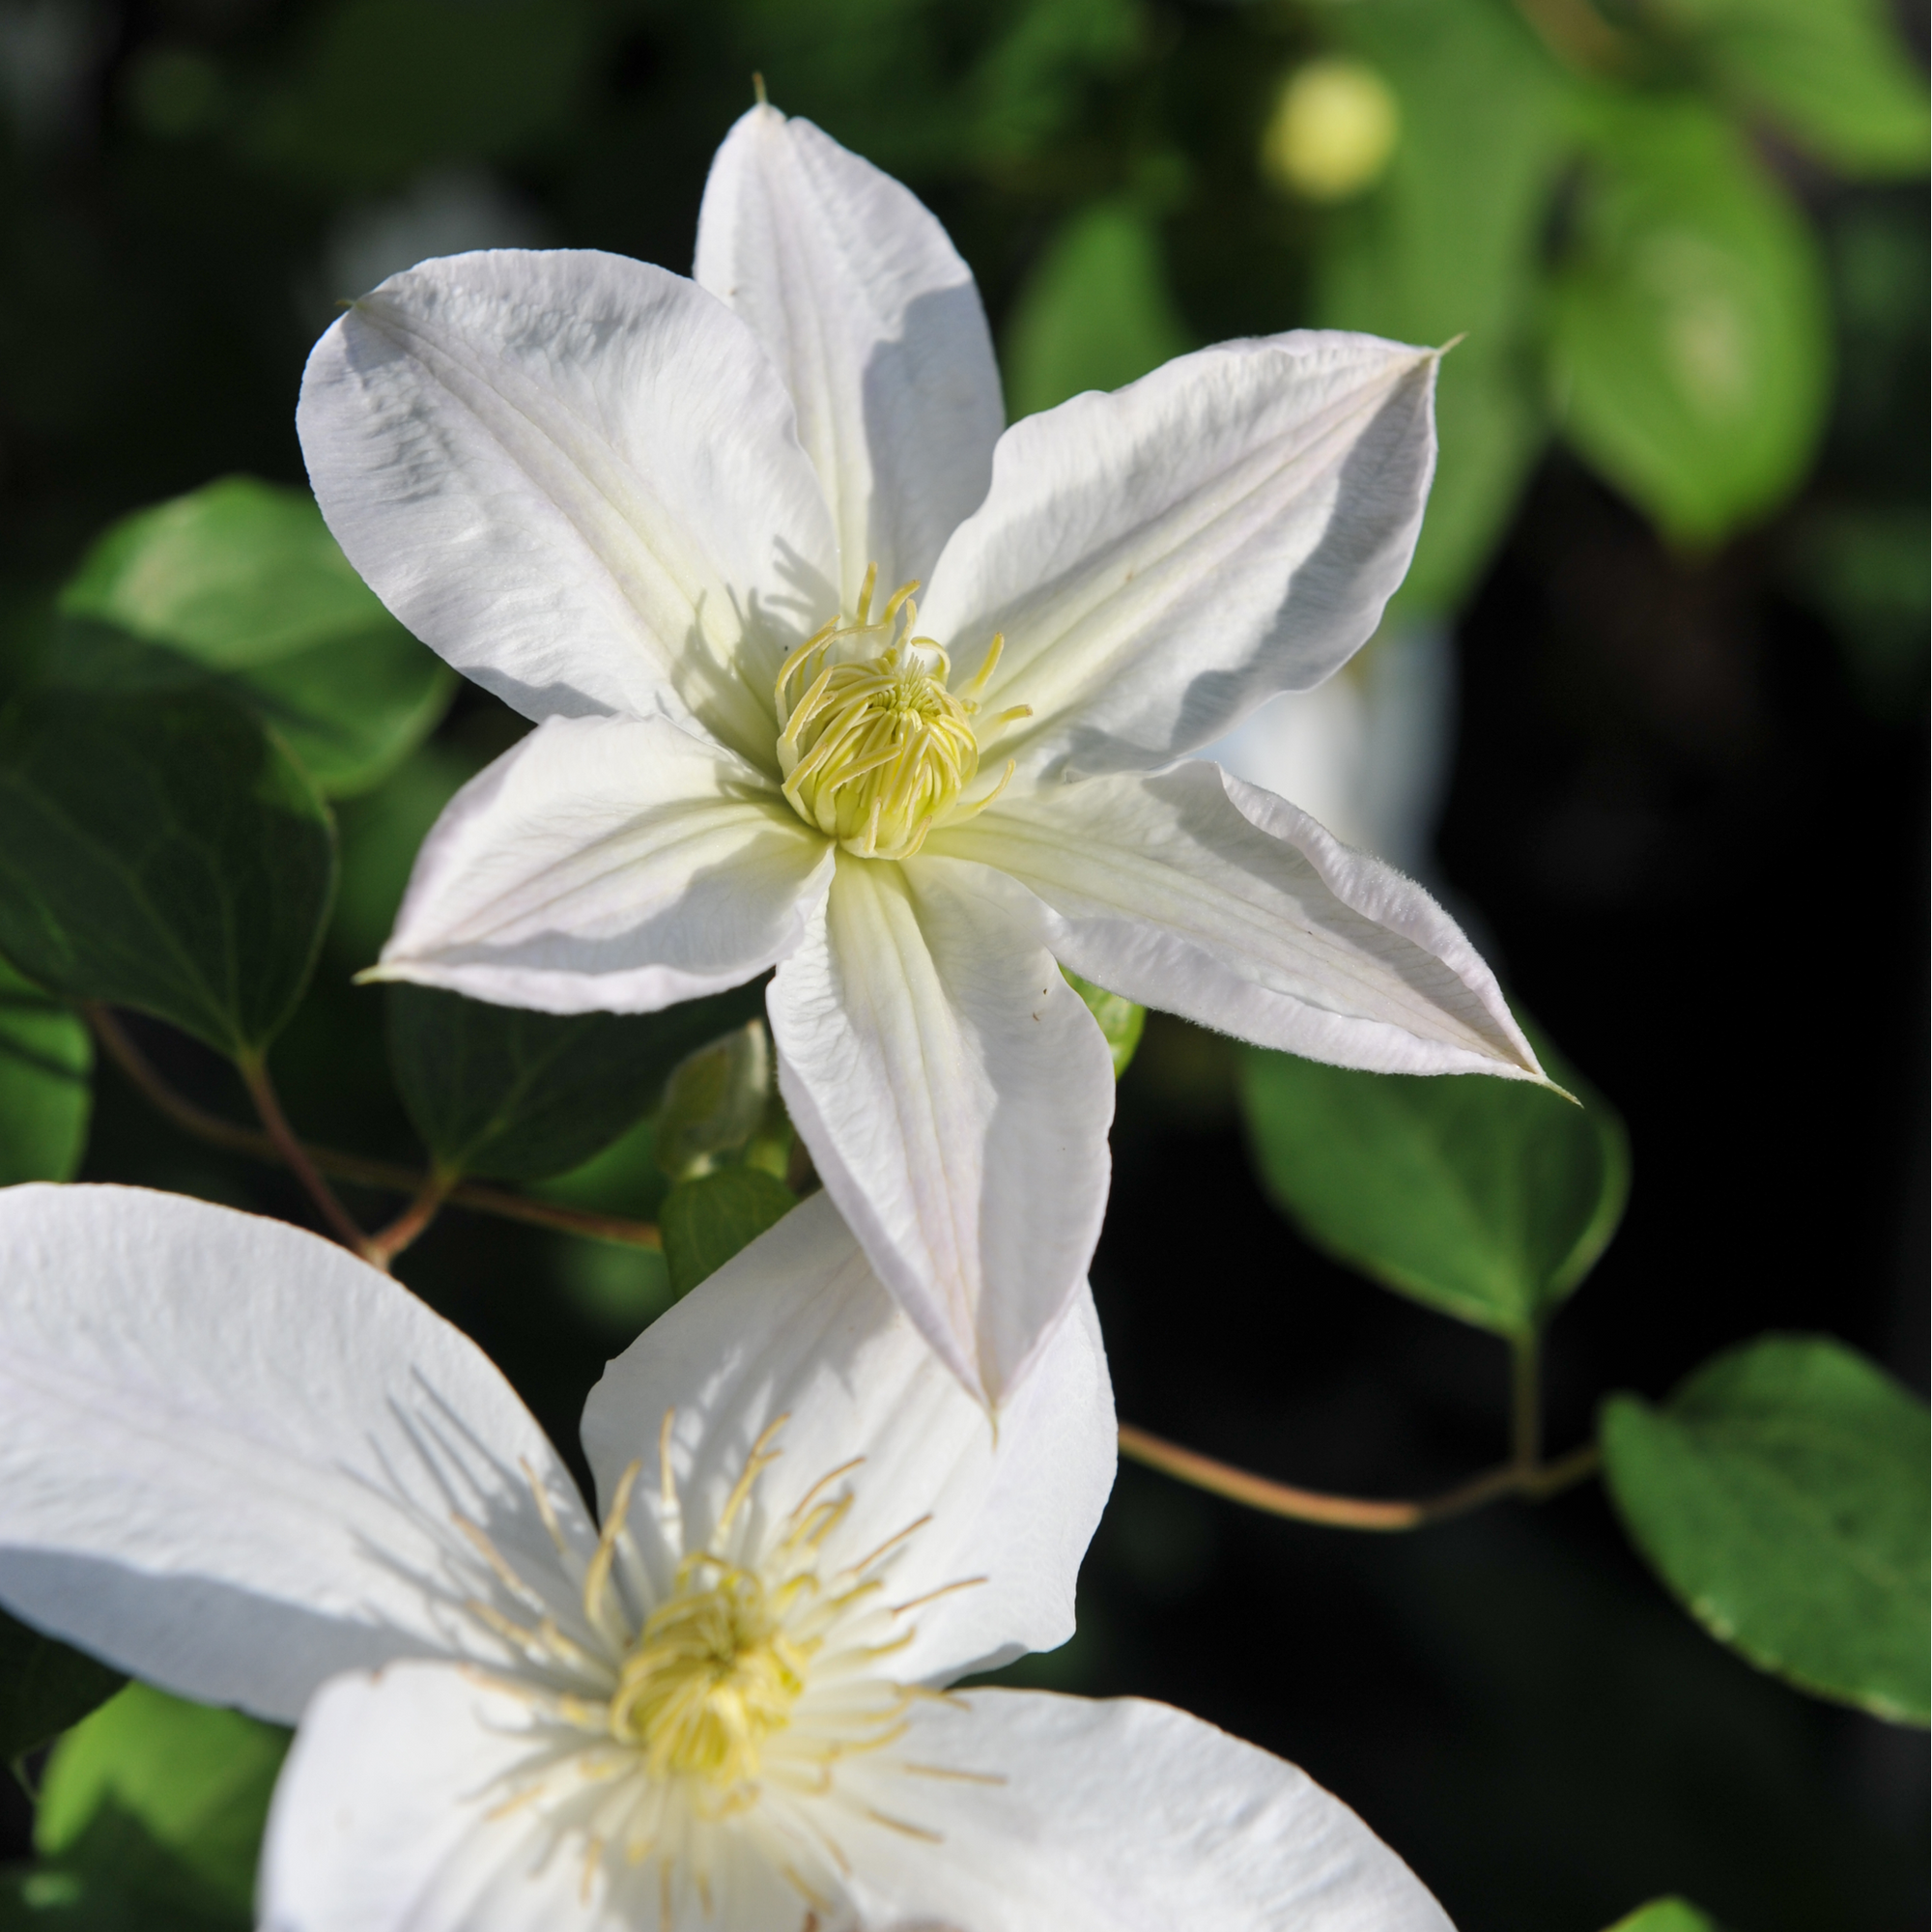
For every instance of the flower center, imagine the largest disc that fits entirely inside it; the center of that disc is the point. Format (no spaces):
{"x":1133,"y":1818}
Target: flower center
{"x":710,"y":1676}
{"x":875,"y":750}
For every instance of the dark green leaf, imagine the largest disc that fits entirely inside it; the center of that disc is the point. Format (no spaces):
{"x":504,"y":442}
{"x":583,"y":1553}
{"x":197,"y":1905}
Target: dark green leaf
{"x":163,"y":853}
{"x":503,"y":1092}
{"x":1094,"y":314}
{"x":162,"y":1799}
{"x":46,"y":1058}
{"x":1781,"y":1494}
{"x":1120,"y":1020}
{"x":1489,"y":1200}
{"x":1835,"y":74}
{"x":1447,"y":246}
{"x":242,"y":582}
{"x":1690,"y":341}
{"x":705,"y":1221}
{"x":45,"y":1687}
{"x":1666,"y":1914}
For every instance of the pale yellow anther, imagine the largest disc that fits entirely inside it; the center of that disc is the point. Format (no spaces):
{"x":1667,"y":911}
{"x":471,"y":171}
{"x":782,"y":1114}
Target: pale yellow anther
{"x":878,"y":751}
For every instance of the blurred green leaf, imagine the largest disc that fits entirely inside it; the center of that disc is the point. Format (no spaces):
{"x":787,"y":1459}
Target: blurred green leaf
{"x":163,"y":853}
{"x":1689,"y":336}
{"x":1835,"y":73}
{"x":1094,"y":313}
{"x":45,"y":1687}
{"x":706,"y":1220}
{"x":1121,"y":1022}
{"x":241,"y":581}
{"x":164,"y":1799}
{"x":713,"y":1101}
{"x":514,"y":1095}
{"x":46,"y":1061}
{"x":1781,"y":1494}
{"x":623,"y":1179}
{"x":1485,"y":1199}
{"x":1447,"y":245}
{"x":360,"y":109}
{"x":1666,"y":1914}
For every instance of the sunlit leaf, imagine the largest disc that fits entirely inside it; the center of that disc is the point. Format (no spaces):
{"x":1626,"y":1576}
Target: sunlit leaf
{"x":47,"y":1057}
{"x":45,"y":1687}
{"x":1666,"y":1914}
{"x":1094,"y":314}
{"x":1836,"y":74}
{"x":1447,"y":246}
{"x":1489,"y":1200}
{"x":163,"y":1799}
{"x":1121,"y":1022}
{"x":163,"y":853}
{"x":715,"y":1100}
{"x":1782,"y":1494}
{"x":242,"y":582}
{"x":1690,"y":344}
{"x":706,"y":1220}
{"x":504,"y":1092}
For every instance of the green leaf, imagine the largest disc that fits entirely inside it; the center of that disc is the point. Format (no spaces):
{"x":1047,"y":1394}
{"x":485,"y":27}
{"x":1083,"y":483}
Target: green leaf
{"x":242,"y":582}
{"x":1835,"y":73}
{"x":163,"y":1799}
{"x":714,"y":1102}
{"x":1094,"y":313}
{"x":163,"y":853}
{"x":1485,"y":1199}
{"x":1781,"y":1494}
{"x":1689,"y":336}
{"x":1121,"y":1022}
{"x":46,"y":1058}
{"x":1666,"y":1914}
{"x":706,"y":1220}
{"x":514,"y":1095}
{"x":1447,"y":245}
{"x":45,"y":1687}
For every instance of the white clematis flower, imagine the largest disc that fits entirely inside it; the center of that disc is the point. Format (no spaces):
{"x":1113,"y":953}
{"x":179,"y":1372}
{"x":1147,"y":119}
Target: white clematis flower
{"x":681,"y":525}
{"x":243,"y":1465}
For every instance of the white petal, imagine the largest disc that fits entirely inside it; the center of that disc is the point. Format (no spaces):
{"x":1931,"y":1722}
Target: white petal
{"x":231,"y":1452}
{"x":607,"y":863}
{"x":1121,"y":1816}
{"x":799,"y":1327}
{"x":577,"y":478}
{"x":1162,"y":558}
{"x":1200,"y":896}
{"x":956,"y":1094}
{"x":875,"y":322}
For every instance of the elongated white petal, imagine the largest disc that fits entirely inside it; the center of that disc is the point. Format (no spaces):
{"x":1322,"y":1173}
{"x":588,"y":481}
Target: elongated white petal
{"x":578,"y":478}
{"x":233,"y":1455}
{"x":607,"y":863}
{"x":798,"y":1326}
{"x":955,"y":1096}
{"x":1121,"y":1816}
{"x":1207,"y":897}
{"x":1162,"y":558}
{"x":876,"y":326}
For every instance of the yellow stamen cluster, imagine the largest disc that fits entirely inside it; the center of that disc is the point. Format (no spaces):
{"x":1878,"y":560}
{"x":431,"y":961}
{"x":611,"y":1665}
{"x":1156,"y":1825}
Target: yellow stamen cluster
{"x":876,"y":750}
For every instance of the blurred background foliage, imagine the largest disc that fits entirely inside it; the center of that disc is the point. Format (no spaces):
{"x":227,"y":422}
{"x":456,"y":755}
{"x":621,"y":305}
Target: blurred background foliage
{"x":1649,"y":712}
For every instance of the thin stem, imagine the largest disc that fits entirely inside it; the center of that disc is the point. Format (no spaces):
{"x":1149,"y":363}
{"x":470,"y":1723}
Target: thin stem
{"x":1242,"y":1486}
{"x":386,"y":1243}
{"x":1526,"y":1402}
{"x":254,"y":1072}
{"x":389,"y":1175}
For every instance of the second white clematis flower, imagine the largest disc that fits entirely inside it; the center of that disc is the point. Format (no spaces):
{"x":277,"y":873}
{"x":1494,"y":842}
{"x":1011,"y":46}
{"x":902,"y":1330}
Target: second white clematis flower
{"x":243,"y":1465}
{"x":682,"y":523}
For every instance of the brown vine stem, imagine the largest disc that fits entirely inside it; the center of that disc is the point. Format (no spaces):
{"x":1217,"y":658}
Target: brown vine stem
{"x":383,"y":1247}
{"x":1261,"y":1493}
{"x":254,"y":1072}
{"x":389,"y":1175}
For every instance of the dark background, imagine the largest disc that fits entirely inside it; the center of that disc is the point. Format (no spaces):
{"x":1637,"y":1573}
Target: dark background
{"x":1686,"y":818}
